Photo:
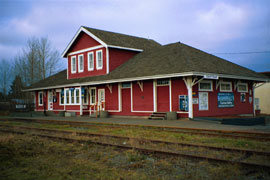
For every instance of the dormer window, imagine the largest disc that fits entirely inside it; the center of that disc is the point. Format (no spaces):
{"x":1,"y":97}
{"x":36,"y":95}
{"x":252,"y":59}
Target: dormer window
{"x":80,"y":63}
{"x":90,"y":61}
{"x":99,"y":59}
{"x":73,"y":64}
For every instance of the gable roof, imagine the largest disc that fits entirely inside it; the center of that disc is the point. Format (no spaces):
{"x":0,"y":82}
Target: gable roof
{"x":114,"y":40}
{"x":172,"y":60}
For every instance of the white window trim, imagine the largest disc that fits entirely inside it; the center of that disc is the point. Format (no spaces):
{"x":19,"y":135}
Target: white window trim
{"x":99,"y":90}
{"x":245,"y":84}
{"x":90,"y":69}
{"x":98,"y":68}
{"x":39,"y":98}
{"x":80,"y":70}
{"x":73,"y":71}
{"x":90,"y":97}
{"x":224,"y":90}
{"x":69,"y":93}
{"x":206,"y":81}
{"x":75,"y":97}
{"x":163,"y":84}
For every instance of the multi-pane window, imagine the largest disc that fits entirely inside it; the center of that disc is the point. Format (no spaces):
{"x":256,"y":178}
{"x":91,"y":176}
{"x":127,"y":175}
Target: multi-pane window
{"x":205,"y":86}
{"x":72,"y":97}
{"x":85,"y":98}
{"x":40,"y":98}
{"x":226,"y":87}
{"x":99,"y":59}
{"x":80,"y":63}
{"x":62,"y":95}
{"x":92,"y":96}
{"x":163,"y":82}
{"x":77,"y":92}
{"x":67,"y":96}
{"x":242,"y":87}
{"x":126,"y":85}
{"x":73,"y":64}
{"x":90,"y":61}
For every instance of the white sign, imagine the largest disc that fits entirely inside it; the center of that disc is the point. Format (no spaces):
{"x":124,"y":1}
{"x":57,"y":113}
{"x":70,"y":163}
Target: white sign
{"x":195,"y":101}
{"x":203,"y":101}
{"x":207,"y":76}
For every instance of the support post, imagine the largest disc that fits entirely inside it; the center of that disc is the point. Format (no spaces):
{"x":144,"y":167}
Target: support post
{"x":80,"y":97}
{"x":189,"y":83}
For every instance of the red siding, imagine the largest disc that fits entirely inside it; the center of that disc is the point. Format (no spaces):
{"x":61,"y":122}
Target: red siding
{"x":163,"y":99}
{"x":56,"y":105}
{"x":239,"y":107}
{"x":41,"y":108}
{"x":85,"y":72}
{"x":143,"y":100}
{"x":83,"y":41}
{"x":118,"y":57}
{"x":111,"y":99}
{"x":178,"y":88}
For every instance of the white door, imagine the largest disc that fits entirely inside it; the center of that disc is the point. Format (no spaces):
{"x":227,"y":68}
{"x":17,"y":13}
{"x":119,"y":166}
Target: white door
{"x":50,"y":101}
{"x":101,"y":98}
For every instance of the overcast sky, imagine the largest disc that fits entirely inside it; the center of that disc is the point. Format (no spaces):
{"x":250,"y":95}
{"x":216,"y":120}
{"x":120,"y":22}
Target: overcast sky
{"x":241,"y":27}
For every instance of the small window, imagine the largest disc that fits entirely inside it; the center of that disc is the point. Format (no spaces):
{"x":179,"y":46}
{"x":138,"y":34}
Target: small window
{"x":80,"y":63}
{"x":62,"y":95}
{"x":126,"y":85}
{"x":242,"y":87}
{"x":67,"y":96}
{"x":93,"y":96}
{"x":90,"y":61}
{"x":99,"y":59}
{"x":85,"y":98}
{"x":72,"y":97}
{"x":205,"y":86}
{"x":225,"y":87}
{"x":163,"y":82}
{"x":77,"y":93}
{"x":73,"y":64}
{"x":40,"y":98}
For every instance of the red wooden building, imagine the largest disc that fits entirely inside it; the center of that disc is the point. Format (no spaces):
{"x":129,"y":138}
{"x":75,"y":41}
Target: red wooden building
{"x":132,"y":76}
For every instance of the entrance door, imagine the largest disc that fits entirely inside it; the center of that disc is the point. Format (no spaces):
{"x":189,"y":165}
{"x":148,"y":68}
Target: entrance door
{"x":50,"y":101}
{"x":101,"y":97}
{"x":163,"y":102}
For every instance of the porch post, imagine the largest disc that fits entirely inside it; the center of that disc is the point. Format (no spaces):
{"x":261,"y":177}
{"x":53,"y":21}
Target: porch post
{"x":80,"y":96}
{"x":189,"y":83}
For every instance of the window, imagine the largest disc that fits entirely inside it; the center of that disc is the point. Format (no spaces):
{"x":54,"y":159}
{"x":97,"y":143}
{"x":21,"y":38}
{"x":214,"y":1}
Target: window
{"x":40,"y":98}
{"x":101,"y":95}
{"x":225,"y":87}
{"x":77,"y":93}
{"x":126,"y":85}
{"x":92,"y":96}
{"x":85,"y":97}
{"x":72,"y":97}
{"x":205,"y":86}
{"x":80,"y":63}
{"x":73,"y":64}
{"x":242,"y":87}
{"x":90,"y":61}
{"x":163,"y":82}
{"x":99,"y":59}
{"x":67,"y":96}
{"x":61,"y":97}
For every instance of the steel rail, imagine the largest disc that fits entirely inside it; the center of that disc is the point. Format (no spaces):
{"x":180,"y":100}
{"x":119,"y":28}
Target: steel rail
{"x":152,"y":151}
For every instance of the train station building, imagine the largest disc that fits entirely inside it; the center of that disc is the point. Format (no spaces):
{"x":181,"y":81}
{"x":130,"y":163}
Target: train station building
{"x":132,"y":76}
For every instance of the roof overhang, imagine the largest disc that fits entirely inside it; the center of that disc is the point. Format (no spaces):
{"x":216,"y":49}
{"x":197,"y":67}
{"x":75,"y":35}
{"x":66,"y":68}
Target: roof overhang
{"x":82,"y":29}
{"x":202,"y":74}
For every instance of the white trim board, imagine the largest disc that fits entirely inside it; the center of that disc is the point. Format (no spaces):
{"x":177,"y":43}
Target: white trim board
{"x":147,"y":78}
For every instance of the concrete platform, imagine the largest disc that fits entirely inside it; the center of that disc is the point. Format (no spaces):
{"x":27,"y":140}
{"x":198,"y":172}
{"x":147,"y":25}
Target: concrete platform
{"x":184,"y":123}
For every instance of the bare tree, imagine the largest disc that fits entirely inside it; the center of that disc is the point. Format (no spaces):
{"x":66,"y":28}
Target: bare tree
{"x":5,"y":76}
{"x":37,"y":61}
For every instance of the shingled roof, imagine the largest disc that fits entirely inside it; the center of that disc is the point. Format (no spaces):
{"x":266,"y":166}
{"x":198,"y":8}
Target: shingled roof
{"x":171,"y":60}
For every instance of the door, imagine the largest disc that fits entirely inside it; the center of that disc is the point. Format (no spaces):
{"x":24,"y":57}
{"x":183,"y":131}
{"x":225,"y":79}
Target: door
{"x":163,"y":99}
{"x":50,"y":101}
{"x":101,"y":98}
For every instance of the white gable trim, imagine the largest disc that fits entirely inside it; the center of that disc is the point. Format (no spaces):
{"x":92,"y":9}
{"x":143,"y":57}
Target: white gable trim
{"x":77,"y":34}
{"x":125,"y":48}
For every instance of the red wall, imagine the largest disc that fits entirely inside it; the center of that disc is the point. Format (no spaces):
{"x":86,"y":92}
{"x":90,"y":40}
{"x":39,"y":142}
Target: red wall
{"x":111,"y":99}
{"x":118,"y":57}
{"x":41,"y":108}
{"x":143,"y":100}
{"x":213,"y":110}
{"x":83,"y":41}
{"x":85,"y":72}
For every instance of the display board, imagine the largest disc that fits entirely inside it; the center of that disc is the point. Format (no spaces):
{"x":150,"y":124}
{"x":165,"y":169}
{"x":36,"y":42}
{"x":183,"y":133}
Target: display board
{"x":203,"y":101}
{"x":225,"y":100}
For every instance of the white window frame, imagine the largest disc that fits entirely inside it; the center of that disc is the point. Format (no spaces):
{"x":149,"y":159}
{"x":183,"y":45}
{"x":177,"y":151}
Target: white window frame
{"x":71,"y":63}
{"x":97,"y":64}
{"x":85,"y":97}
{"x":67,"y":90}
{"x":92,"y":103}
{"x":99,"y":93}
{"x":60,"y":98}
{"x":40,"y":104}
{"x":163,"y":84}
{"x":225,"y":90}
{"x":88,"y":61}
{"x":79,"y":64}
{"x":75,"y":96}
{"x":206,"y":81}
{"x":245,"y":84}
{"x":125,"y":83}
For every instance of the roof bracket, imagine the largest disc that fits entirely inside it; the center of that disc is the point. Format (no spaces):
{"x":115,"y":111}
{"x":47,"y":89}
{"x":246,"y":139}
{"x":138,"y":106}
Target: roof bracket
{"x":236,"y":83}
{"x":140,"y":83}
{"x":218,"y":82}
{"x":109,"y":87}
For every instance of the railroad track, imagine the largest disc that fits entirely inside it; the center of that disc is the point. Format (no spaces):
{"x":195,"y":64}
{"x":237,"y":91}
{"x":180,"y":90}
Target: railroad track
{"x":124,"y":142}
{"x":259,"y":136}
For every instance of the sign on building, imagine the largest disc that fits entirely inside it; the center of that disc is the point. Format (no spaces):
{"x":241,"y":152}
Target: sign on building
{"x":225,"y":100}
{"x":203,"y":101}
